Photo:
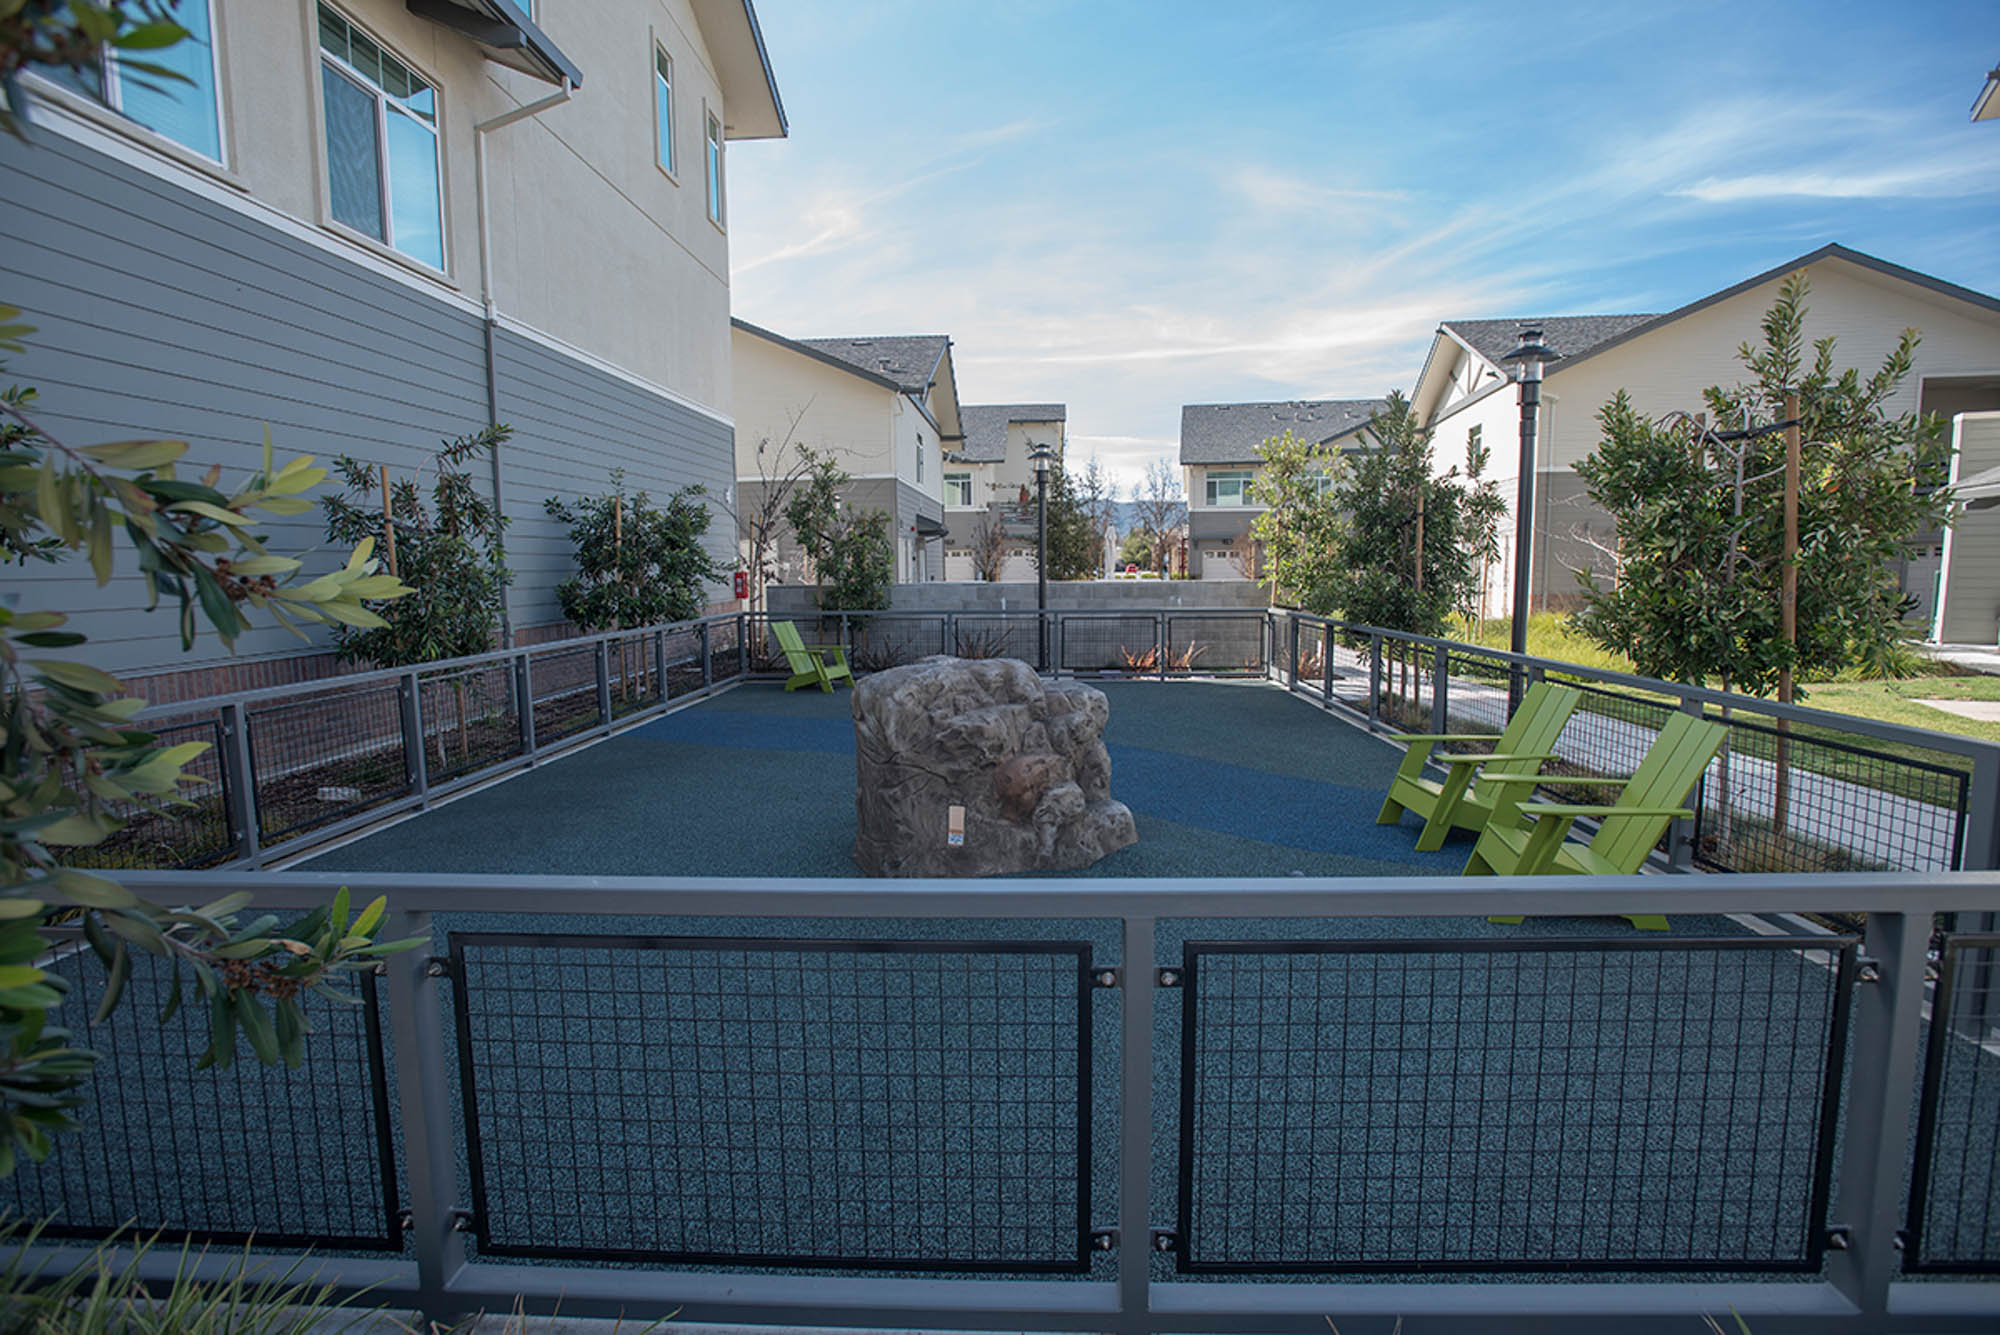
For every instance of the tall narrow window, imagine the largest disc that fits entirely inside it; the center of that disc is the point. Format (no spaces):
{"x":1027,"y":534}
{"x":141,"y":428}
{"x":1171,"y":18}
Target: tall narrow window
{"x":958,"y":489}
{"x":181,"y":105}
{"x":381,"y":143}
{"x":714,"y":170}
{"x":663,"y":106}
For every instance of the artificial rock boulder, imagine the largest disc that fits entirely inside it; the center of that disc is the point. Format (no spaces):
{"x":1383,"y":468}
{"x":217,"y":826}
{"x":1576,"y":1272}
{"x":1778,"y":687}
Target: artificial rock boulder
{"x":1023,"y":759}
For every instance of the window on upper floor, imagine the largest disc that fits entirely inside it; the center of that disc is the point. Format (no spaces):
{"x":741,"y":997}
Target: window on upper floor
{"x":183,"y":104}
{"x":1472,"y":435}
{"x":1229,"y":486}
{"x":958,"y":488}
{"x":920,"y":456}
{"x":663,"y":107}
{"x":714,"y":151}
{"x":381,"y":143}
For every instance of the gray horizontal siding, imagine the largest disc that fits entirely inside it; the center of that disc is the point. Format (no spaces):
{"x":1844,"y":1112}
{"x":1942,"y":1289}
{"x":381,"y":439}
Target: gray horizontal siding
{"x":160,"y":313}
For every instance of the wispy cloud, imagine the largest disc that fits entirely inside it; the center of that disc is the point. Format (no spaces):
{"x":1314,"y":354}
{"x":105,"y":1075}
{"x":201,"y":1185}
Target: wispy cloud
{"x":1934,"y":182}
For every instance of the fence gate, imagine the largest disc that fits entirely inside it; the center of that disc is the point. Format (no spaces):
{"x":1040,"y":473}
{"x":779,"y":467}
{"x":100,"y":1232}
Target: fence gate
{"x":841,"y":1104}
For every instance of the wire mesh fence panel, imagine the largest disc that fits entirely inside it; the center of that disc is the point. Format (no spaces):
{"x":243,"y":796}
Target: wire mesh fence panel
{"x":1799,"y":801}
{"x":881,"y":642}
{"x":1509,"y":1105}
{"x":635,"y":685}
{"x":843,"y":1104}
{"x":328,"y":755}
{"x":1217,"y":645}
{"x":565,"y":684}
{"x":1308,"y":664}
{"x":299,"y":1158}
{"x":471,"y":719}
{"x":1954,"y":1218}
{"x":995,"y":637}
{"x":1404,"y":699}
{"x":767,"y":659}
{"x":1477,"y":700}
{"x":193,"y":830}
{"x":683,"y":652}
{"x":1121,"y":644}
{"x":723,"y":662}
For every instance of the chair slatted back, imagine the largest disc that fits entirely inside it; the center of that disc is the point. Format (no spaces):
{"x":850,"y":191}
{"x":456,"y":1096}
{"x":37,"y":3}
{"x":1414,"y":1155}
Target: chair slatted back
{"x":1672,"y":767}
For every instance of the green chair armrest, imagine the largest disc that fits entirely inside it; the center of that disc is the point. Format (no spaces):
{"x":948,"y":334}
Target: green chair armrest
{"x":1481,"y":757}
{"x":1571,"y":778}
{"x":1573,"y":811}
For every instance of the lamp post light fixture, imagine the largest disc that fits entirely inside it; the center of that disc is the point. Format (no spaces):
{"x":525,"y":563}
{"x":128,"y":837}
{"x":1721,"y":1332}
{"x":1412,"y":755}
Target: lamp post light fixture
{"x":1526,"y":367}
{"x":1042,"y":457}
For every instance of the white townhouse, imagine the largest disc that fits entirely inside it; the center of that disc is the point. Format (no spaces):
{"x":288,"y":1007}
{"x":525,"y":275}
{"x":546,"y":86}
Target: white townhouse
{"x":885,"y":409}
{"x":990,"y":476}
{"x":1222,"y":455}
{"x":1665,"y":362}
{"x":375,"y":224}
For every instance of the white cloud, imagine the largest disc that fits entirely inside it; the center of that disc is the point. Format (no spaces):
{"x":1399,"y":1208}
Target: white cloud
{"x":1941,"y":180}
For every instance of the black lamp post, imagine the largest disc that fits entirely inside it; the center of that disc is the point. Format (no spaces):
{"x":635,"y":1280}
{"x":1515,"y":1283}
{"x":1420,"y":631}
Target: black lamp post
{"x":1527,"y":359}
{"x":1042,"y":456}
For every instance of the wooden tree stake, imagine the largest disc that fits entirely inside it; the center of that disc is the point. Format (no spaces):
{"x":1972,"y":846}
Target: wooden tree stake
{"x":388,"y":521}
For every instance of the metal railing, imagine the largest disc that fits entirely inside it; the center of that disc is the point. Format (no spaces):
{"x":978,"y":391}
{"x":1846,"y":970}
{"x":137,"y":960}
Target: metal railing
{"x":1100,"y":1105}
{"x":1795,"y":788}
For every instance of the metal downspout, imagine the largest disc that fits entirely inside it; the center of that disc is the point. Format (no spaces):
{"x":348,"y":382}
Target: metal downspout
{"x":489,"y":322}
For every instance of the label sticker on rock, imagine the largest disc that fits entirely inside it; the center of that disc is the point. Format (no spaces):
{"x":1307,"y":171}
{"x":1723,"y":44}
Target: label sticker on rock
{"x":955,"y":827}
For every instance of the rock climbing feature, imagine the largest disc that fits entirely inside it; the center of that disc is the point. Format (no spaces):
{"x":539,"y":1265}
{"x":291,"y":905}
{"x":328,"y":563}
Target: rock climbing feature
{"x":1023,"y":761}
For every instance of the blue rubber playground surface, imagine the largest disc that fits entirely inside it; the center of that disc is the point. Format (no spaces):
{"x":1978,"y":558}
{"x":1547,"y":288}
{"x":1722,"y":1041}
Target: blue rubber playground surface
{"x":1224,"y":779}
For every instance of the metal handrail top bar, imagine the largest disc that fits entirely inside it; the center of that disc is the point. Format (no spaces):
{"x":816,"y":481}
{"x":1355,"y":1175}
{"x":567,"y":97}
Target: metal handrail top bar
{"x":380,"y":676}
{"x":1279,"y":897}
{"x":1899,"y":732}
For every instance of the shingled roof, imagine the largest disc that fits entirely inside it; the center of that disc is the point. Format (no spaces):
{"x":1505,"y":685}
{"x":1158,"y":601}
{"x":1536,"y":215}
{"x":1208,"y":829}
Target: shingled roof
{"x":1230,"y":433}
{"x":907,"y":359}
{"x":1569,"y":335}
{"x":986,"y":427}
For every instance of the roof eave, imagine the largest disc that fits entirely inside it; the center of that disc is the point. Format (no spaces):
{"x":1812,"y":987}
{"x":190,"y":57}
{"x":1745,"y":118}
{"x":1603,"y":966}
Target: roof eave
{"x":506,"y":34}
{"x":825,"y":358}
{"x":751,"y":105}
{"x":1986,"y":106}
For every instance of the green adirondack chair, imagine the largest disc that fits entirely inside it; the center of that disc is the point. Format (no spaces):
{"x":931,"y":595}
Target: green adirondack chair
{"x":1459,"y":802}
{"x":812,"y":664}
{"x":1527,"y":838}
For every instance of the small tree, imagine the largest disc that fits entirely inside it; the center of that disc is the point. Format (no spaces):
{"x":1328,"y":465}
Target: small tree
{"x":1408,"y":557}
{"x":1075,"y":544}
{"x":781,"y":468}
{"x":860,"y":563}
{"x":1137,"y":549}
{"x":814,"y":513}
{"x":1162,"y":509}
{"x":449,"y":550}
{"x":1302,"y":527}
{"x":1701,"y":524}
{"x":635,"y":565}
{"x":988,"y":547}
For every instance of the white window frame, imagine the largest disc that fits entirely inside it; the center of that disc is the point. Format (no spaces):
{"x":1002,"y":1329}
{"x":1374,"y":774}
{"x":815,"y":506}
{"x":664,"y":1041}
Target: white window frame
{"x":712,"y":167}
{"x":666,"y":151}
{"x":1241,"y":478}
{"x":920,"y":456}
{"x":951,"y":482}
{"x":382,"y":100}
{"x":111,"y":94}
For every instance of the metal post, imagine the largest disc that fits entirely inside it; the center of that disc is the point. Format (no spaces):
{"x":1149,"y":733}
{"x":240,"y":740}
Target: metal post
{"x":1529,"y":354}
{"x":239,"y":784}
{"x":416,"y":1019}
{"x":1888,"y":1017}
{"x":1160,"y":643}
{"x":742,"y":644}
{"x":1292,"y":663}
{"x":1440,"y":689}
{"x":1374,"y":679}
{"x":1682,"y":834}
{"x":524,"y":691}
{"x":603,"y":682}
{"x":1326,"y":662}
{"x":660,"y":662}
{"x":707,"y":667}
{"x":1135,"y":1130}
{"x":416,"y":766}
{"x":1982,"y":815}
{"x":951,"y":634}
{"x":1042,"y":561}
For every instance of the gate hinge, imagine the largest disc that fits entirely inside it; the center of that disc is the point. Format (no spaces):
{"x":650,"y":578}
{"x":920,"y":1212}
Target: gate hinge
{"x":462,"y":1220}
{"x":1165,"y":1240}
{"x":439,"y":966}
{"x":1867,"y":969}
{"x":1106,"y":977}
{"x":1839,"y":1238}
{"x":1104,"y":1240}
{"x":1169,"y":977}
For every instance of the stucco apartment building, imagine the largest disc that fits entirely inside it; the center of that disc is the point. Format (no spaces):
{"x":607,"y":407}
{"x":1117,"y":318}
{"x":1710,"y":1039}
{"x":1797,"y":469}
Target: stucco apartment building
{"x":1222,"y":455}
{"x":1665,"y":362}
{"x":885,"y":409}
{"x":372,"y":225}
{"x":989,"y":476}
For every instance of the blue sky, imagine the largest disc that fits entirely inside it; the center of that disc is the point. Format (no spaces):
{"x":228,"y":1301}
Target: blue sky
{"x":1128,"y":207}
